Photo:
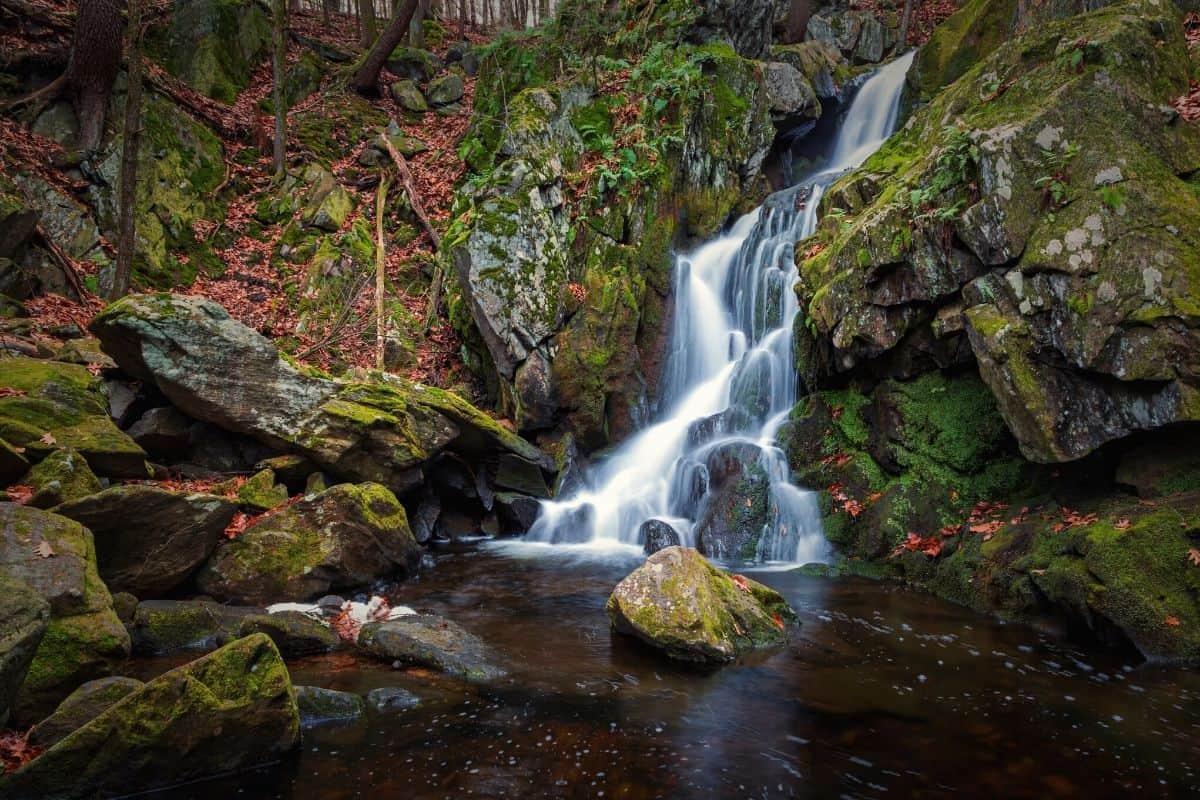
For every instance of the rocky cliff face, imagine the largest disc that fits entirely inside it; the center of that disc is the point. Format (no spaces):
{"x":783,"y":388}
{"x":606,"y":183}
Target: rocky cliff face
{"x":1011,"y":281}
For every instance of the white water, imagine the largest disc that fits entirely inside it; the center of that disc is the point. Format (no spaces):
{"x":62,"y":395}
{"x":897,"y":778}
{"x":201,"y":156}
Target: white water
{"x":730,"y":380}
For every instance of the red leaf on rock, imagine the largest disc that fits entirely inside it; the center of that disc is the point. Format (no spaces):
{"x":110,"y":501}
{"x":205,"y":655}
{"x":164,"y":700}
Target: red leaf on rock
{"x":1172,"y":620}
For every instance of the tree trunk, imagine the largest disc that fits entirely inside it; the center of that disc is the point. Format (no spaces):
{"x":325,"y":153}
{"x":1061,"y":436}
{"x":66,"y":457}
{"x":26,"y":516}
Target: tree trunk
{"x":366,"y":12}
{"x":380,"y":264}
{"x":417,"y":28}
{"x":902,"y":39}
{"x":95,"y":61}
{"x":278,"y":59}
{"x":127,"y":201}
{"x":797,"y":21}
{"x":366,"y":75}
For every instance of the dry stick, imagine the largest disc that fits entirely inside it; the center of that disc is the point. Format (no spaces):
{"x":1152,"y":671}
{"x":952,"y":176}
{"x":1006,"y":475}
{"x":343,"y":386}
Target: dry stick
{"x":414,"y":200}
{"x":64,"y":263}
{"x":50,"y":90}
{"x":380,"y":260}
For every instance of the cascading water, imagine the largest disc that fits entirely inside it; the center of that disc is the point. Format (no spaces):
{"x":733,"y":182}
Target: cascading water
{"x":730,"y":384}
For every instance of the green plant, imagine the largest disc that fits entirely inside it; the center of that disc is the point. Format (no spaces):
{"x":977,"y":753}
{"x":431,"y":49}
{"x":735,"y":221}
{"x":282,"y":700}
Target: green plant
{"x":1054,"y":185}
{"x":1112,"y":196}
{"x":954,"y":167}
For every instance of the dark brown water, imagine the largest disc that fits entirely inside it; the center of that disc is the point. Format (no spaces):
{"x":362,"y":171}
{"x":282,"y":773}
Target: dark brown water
{"x":884,"y":693}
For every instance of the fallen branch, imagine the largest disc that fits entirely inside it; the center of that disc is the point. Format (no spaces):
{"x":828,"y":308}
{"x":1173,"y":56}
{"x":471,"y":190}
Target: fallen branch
{"x":64,"y":263}
{"x":50,"y":90}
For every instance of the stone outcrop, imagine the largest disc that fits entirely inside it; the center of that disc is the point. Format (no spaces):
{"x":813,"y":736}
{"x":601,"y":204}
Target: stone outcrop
{"x":24,"y":615}
{"x":346,"y":537}
{"x":227,"y":711}
{"x":425,"y":640}
{"x":682,"y":605}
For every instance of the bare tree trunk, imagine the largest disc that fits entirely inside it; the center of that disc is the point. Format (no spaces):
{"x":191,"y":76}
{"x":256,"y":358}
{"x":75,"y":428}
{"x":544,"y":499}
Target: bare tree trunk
{"x":366,"y":75}
{"x":369,"y":30}
{"x":278,"y":58}
{"x":797,"y":21}
{"x":127,"y":201}
{"x":380,"y":263}
{"x":95,"y":61}
{"x":902,"y":39}
{"x":462,"y":19}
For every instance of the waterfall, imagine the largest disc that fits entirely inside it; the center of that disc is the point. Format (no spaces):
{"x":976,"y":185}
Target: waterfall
{"x":730,"y":382}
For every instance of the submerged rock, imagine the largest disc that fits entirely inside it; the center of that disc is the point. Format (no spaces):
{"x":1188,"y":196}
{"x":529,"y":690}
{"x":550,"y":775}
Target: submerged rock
{"x":81,"y":707}
{"x":150,"y":540}
{"x":233,"y":709}
{"x":321,"y":706}
{"x":24,"y":616}
{"x":343,"y":538}
{"x":680,"y":604}
{"x":390,"y":700}
{"x":55,"y":557}
{"x":426,"y":640}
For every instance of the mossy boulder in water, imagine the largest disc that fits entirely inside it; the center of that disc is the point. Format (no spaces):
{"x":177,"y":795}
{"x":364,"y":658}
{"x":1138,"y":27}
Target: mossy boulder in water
{"x":346,"y":537}
{"x":165,"y":626}
{"x":680,"y":604}
{"x":53,"y":405}
{"x":56,"y":558}
{"x":228,"y":711}
{"x":150,"y":540}
{"x":321,"y":706}
{"x":24,"y":615}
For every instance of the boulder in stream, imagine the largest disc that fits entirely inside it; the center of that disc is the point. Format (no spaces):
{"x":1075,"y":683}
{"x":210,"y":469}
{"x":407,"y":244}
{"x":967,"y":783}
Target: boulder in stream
{"x":321,"y":706}
{"x":680,"y":604}
{"x":230,"y":710}
{"x":426,"y":640}
{"x":81,"y":706}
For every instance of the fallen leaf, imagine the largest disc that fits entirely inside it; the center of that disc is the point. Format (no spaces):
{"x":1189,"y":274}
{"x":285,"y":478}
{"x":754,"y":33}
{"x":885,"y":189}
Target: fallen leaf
{"x":94,"y":369}
{"x":1194,"y":556}
{"x":1123,"y":524}
{"x":741,"y":583}
{"x":1172,"y":620}
{"x":44,"y":549}
{"x":48,"y":439}
{"x":8,"y":392}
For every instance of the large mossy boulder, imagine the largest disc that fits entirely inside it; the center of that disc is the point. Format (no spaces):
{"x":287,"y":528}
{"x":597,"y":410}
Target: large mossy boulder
{"x":51,"y":405}
{"x":215,"y":45}
{"x":682,"y":605}
{"x":24,"y":615}
{"x":1051,"y":242}
{"x":165,"y":626}
{"x":56,"y":558}
{"x":150,"y":540}
{"x":217,"y":370}
{"x":430,"y":641}
{"x":344,"y":538}
{"x":225,"y":712}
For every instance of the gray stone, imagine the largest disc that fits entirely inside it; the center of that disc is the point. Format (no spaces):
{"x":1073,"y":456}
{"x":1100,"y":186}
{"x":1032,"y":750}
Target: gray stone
{"x":789,"y":92}
{"x":409,"y":96}
{"x":426,"y":640}
{"x":390,"y":700}
{"x":445,"y":90}
{"x":657,"y":535}
{"x":162,"y":430}
{"x":294,"y":633}
{"x":323,"y":706}
{"x":166,"y":626}
{"x":24,"y":615}
{"x":81,"y":706}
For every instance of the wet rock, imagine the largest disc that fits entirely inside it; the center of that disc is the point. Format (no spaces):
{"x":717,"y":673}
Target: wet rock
{"x":655,"y":535}
{"x":680,"y":604}
{"x":162,"y":430}
{"x":789,"y":92}
{"x":322,"y":706}
{"x":737,"y":505}
{"x":68,"y":403}
{"x":425,"y":640}
{"x":24,"y":615}
{"x":62,"y":476}
{"x":165,"y":626}
{"x":228,"y":711}
{"x":149,"y":540}
{"x":124,"y":606}
{"x":518,"y":475}
{"x":83,"y":705}
{"x":1163,"y":465}
{"x":516,"y":512}
{"x":294,"y":633}
{"x":390,"y":700}
{"x":347,"y":537}
{"x":454,"y":525}
{"x":424,"y":521}
{"x":816,"y":61}
{"x":84,"y":638}
{"x":445,"y":91}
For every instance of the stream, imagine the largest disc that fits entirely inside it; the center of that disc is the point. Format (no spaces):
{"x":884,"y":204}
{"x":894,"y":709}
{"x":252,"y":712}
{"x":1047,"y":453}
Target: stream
{"x":883,"y":692}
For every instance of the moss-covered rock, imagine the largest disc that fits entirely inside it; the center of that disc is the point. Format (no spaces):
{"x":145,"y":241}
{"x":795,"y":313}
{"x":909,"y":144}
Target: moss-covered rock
{"x":61,"y":476}
{"x":230,"y":710}
{"x":53,"y":405}
{"x":24,"y":615}
{"x":1004,"y":225}
{"x":261,"y":493}
{"x":83,"y":705}
{"x":84,"y":638}
{"x":321,"y":706}
{"x":294,"y":633}
{"x":347,"y":537}
{"x":215,"y":45}
{"x":425,"y":640}
{"x":680,"y":604}
{"x":164,"y":626}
